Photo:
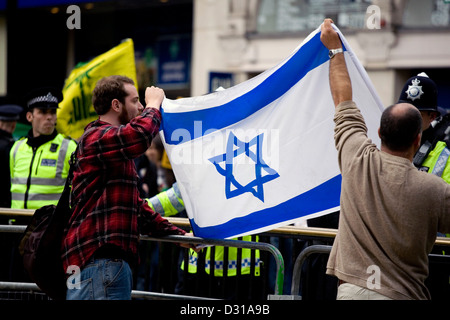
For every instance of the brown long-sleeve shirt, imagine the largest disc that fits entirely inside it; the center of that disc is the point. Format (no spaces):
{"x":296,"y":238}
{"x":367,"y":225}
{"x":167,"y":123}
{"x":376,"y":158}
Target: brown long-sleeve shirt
{"x":390,"y":214}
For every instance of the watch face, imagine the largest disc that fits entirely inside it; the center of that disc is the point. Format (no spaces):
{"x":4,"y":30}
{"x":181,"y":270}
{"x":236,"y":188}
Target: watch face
{"x":330,"y":54}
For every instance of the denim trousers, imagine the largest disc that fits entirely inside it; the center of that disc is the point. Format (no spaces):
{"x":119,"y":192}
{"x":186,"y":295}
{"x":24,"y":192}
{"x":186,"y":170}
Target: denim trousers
{"x":103,"y":279}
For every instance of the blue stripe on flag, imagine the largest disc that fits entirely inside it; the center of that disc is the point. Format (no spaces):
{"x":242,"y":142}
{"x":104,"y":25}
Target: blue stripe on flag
{"x":311,"y":55}
{"x":323,"y":197}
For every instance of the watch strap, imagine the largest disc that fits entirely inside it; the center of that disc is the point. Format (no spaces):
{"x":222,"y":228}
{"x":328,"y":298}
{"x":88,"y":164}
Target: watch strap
{"x":333,"y":52}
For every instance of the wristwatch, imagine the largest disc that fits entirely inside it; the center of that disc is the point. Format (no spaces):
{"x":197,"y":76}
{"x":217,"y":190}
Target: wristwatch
{"x":333,"y":52}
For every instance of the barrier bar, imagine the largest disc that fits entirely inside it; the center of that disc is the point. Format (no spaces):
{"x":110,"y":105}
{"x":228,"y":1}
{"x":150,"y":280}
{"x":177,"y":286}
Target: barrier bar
{"x":136,"y":294}
{"x":19,"y":286}
{"x":12,"y":228}
{"x":301,"y":258}
{"x":184,"y":223}
{"x":237,"y":244}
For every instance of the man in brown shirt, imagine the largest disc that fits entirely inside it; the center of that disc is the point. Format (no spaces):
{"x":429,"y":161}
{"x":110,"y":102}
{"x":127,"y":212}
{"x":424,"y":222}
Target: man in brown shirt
{"x":390,"y":211}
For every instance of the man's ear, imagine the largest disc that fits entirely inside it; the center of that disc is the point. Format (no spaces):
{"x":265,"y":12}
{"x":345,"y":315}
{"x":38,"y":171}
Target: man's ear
{"x":115,"y":105}
{"x":434,"y":115}
{"x":29,"y":116}
{"x":417,"y":140}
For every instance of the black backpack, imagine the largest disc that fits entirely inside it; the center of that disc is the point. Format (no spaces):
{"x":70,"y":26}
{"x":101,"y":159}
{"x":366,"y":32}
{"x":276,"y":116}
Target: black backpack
{"x":41,"y":244}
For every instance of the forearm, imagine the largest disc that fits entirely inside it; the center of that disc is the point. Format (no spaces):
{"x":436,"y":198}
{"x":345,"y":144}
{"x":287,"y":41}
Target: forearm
{"x":109,"y":145}
{"x":151,"y":223}
{"x":340,"y":83}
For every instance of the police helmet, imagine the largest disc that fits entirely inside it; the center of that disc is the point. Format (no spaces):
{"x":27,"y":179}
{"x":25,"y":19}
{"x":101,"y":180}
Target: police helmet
{"x":44,"y":98}
{"x":421,"y":92}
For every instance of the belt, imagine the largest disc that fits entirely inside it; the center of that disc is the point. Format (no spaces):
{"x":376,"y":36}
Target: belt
{"x":110,"y":252}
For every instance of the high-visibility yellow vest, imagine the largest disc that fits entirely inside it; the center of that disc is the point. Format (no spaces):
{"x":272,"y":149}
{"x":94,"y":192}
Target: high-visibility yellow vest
{"x":437,"y":161}
{"x":38,"y":175}
{"x":167,"y":203}
{"x":438,"y":164}
{"x":219,"y":252}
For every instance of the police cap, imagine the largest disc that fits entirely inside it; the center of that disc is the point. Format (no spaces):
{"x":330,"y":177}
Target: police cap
{"x":44,"y":98}
{"x":10,"y":112}
{"x":421,"y":92}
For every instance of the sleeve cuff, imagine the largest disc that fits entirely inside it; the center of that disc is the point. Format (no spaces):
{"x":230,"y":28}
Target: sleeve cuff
{"x":349,"y":104}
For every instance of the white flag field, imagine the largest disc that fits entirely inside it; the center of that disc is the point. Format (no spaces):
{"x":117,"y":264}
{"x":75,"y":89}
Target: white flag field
{"x":261,"y":154}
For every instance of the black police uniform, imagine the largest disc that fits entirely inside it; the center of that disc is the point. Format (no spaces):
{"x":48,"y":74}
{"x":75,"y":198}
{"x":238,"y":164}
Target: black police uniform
{"x":7,"y":113}
{"x":7,"y":241}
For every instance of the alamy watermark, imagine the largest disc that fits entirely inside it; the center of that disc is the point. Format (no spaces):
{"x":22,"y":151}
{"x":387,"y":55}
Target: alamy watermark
{"x":373,"y":17}
{"x":374,"y":280}
{"x":199,"y":147}
{"x":74,"y":280}
{"x":74,"y":20}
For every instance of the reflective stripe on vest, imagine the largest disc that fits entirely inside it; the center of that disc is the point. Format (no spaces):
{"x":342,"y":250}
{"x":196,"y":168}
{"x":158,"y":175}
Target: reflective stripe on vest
{"x":41,"y":181}
{"x":49,"y":197}
{"x":441,"y":162}
{"x":167,"y":203}
{"x":175,"y":197}
{"x":232,"y":260}
{"x":437,"y":161}
{"x":18,"y":144}
{"x":245,"y":263}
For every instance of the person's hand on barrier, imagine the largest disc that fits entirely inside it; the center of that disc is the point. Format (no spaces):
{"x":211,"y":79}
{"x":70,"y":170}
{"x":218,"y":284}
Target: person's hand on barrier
{"x":190,"y":245}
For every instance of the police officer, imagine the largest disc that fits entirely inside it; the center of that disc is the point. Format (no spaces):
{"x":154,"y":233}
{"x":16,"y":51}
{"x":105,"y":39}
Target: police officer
{"x":9,"y":114}
{"x":40,"y":161}
{"x":434,"y":151}
{"x":433,"y":154}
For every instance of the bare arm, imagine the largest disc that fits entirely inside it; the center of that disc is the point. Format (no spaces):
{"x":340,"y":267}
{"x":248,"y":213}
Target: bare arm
{"x":340,"y":84}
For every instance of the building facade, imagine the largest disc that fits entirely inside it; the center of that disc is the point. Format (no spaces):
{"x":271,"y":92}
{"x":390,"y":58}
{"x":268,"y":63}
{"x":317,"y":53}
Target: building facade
{"x":394,"y":39}
{"x":190,"y":47}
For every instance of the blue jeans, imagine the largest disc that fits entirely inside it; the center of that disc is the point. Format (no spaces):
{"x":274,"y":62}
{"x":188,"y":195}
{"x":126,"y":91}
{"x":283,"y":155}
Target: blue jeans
{"x":103,"y":279}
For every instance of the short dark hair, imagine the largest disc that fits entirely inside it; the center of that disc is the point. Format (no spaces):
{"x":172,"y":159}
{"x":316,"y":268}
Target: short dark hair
{"x":398,"y":131}
{"x":106,"y":90}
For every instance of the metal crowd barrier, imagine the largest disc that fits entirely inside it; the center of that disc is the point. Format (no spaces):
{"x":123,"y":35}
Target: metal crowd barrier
{"x":135,"y":294}
{"x":175,"y":239}
{"x":301,"y":258}
{"x":287,"y":231}
{"x":236,"y":244}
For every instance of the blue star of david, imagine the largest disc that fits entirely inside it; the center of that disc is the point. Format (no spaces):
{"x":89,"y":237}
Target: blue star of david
{"x":256,"y":186}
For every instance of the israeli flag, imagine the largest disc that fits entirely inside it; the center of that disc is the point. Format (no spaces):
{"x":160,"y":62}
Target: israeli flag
{"x":261,"y":154}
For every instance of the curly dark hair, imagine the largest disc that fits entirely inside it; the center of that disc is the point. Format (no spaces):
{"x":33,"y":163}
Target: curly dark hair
{"x":106,"y":90}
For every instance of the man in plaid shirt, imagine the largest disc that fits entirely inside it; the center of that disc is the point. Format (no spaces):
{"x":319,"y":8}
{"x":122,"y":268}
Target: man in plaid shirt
{"x":108,"y":214}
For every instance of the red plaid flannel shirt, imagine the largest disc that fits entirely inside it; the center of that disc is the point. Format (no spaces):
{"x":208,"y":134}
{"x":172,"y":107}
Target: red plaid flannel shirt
{"x":106,"y":205}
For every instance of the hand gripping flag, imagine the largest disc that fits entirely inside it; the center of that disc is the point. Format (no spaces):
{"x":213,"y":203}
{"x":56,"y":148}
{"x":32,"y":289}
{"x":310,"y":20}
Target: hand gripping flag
{"x":76,"y":109}
{"x":261,"y":154}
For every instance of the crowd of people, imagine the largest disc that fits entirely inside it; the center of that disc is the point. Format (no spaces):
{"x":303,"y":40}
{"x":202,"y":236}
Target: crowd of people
{"x":395,"y":199}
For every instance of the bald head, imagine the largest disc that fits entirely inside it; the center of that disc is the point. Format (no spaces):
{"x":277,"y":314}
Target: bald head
{"x":399,"y":126}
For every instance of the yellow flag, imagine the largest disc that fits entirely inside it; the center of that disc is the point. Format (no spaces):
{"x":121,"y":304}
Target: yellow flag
{"x":76,"y":109}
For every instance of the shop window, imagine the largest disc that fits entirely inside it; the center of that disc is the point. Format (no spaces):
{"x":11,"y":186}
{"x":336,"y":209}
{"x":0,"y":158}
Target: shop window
{"x":305,"y":15}
{"x":426,"y":14}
